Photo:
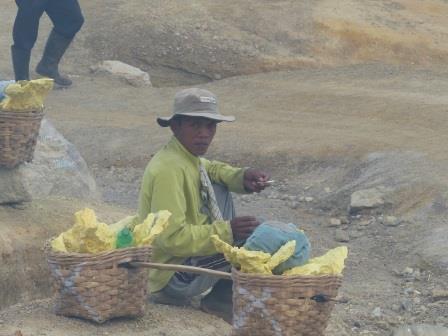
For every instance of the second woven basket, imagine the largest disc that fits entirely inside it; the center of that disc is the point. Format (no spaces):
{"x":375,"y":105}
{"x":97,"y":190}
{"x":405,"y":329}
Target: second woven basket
{"x":273,"y":305}
{"x":96,"y":287}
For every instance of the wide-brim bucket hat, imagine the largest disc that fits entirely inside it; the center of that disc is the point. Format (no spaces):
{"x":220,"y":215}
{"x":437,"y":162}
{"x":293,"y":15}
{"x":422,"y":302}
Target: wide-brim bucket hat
{"x":195,"y":102}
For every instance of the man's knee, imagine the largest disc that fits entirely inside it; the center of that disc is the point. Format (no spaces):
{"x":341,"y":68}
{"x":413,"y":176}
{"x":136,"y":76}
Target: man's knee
{"x":71,"y":26}
{"x":78,"y":23}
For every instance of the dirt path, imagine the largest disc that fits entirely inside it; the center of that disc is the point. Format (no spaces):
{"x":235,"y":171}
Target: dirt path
{"x":37,"y":319}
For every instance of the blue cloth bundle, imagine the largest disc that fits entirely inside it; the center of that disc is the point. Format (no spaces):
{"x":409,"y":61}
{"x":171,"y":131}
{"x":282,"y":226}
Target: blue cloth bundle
{"x":271,"y":235}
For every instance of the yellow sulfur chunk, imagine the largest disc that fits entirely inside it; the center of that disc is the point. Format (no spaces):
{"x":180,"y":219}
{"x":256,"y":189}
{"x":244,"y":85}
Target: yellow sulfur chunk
{"x":94,"y":237}
{"x":143,"y":230}
{"x":283,"y":254}
{"x":58,"y":245}
{"x":152,"y":226}
{"x":230,"y":253}
{"x":90,"y":236}
{"x":26,"y":95}
{"x":87,"y":235}
{"x":71,"y":241}
{"x":85,"y":219}
{"x":331,"y":263}
{"x":247,"y":261}
{"x":162,"y":219}
{"x":253,"y":261}
{"x":99,"y":239}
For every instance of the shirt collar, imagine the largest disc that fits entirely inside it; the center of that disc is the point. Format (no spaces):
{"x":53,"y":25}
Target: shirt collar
{"x":176,"y":145}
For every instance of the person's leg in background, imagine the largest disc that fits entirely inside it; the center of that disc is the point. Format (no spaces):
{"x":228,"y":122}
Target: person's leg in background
{"x":25,"y":31}
{"x":67,"y":19}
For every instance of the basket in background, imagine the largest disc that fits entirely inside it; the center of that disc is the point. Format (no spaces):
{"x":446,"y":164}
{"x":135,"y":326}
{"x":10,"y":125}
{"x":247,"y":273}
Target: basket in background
{"x":273,"y":305}
{"x":96,"y":287}
{"x":18,"y":136}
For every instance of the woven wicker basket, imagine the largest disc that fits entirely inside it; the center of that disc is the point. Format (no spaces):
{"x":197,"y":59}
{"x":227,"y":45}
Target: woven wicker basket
{"x":282,"y":305}
{"x":18,"y":136}
{"x":95,"y":287}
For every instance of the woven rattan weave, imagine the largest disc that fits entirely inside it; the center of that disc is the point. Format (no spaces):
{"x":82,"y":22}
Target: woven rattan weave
{"x":265,"y":305}
{"x":96,"y":287}
{"x":18,"y":136}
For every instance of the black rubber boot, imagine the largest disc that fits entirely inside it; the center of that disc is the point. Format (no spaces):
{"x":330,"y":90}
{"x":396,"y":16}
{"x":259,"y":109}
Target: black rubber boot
{"x":21,"y":63}
{"x":219,"y":301}
{"x":54,"y":50}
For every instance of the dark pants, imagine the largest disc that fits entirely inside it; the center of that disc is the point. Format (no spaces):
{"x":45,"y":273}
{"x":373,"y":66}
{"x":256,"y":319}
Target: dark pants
{"x":65,"y":14}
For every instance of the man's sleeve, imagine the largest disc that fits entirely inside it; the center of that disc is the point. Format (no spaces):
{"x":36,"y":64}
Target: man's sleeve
{"x":223,"y":173}
{"x":182,"y":239}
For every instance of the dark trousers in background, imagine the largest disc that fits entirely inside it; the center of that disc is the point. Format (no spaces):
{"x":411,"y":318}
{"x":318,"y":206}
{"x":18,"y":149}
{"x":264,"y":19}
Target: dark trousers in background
{"x":65,"y":14}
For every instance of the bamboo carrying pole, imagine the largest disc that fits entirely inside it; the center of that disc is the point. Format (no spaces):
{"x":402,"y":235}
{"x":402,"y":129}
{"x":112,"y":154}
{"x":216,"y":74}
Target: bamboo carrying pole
{"x":180,"y":268}
{"x":219,"y":274}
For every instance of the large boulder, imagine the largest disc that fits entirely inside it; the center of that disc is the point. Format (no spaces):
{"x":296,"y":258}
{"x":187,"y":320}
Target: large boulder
{"x":56,"y":170}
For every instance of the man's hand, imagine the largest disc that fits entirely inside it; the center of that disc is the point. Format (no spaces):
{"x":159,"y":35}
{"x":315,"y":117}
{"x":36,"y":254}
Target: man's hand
{"x":255,"y":180}
{"x":242,"y":227}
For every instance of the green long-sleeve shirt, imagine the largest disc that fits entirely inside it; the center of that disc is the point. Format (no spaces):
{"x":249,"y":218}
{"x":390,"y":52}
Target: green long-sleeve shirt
{"x":171,"y":182}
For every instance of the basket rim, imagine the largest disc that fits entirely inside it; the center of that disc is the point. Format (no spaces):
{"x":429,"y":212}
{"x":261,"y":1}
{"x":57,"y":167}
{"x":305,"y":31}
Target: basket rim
{"x":238,"y":273}
{"x":58,"y":254}
{"x":49,"y":251}
{"x":103,"y":253}
{"x":35,"y":110}
{"x":34,"y":115}
{"x":117,"y":256}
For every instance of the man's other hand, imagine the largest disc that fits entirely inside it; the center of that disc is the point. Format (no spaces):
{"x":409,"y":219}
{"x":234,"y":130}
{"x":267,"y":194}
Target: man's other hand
{"x":255,"y":180}
{"x":243,"y":226}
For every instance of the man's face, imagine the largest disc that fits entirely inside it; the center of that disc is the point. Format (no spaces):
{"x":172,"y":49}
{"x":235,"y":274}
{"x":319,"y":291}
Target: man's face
{"x":194,"y":133}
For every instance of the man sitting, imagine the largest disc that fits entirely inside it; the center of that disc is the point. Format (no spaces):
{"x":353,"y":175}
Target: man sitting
{"x":197,"y":193}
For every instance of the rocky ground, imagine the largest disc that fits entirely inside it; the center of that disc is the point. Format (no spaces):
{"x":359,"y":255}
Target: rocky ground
{"x":357,"y":151}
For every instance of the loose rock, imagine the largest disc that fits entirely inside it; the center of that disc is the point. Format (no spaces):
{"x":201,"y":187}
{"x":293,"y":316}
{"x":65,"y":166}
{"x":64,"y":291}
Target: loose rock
{"x":129,"y":73}
{"x":391,"y":221}
{"x":406,"y":305}
{"x":294,"y":205}
{"x":366,"y":199}
{"x":377,"y":312}
{"x":439,"y":294}
{"x":341,"y":236}
{"x":334,"y":222}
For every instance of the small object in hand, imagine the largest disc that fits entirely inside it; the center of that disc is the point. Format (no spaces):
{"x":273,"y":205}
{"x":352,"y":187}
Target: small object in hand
{"x":269,"y":182}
